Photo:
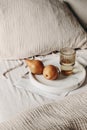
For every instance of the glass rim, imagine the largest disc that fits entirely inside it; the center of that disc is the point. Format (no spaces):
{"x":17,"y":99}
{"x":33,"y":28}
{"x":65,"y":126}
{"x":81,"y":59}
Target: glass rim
{"x":64,"y":50}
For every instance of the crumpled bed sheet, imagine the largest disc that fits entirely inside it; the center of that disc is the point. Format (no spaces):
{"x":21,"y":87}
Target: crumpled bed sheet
{"x":14,"y":100}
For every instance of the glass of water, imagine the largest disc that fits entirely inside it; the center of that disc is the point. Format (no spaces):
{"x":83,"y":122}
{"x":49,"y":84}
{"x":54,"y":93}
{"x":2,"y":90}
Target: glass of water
{"x":67,"y":60}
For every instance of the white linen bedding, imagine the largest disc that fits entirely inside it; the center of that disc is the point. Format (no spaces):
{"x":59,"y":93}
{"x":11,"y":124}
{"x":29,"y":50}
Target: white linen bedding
{"x":32,"y":27}
{"x":14,"y":100}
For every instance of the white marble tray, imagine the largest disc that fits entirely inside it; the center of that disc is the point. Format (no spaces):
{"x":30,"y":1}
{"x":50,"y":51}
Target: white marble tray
{"x":63,"y":84}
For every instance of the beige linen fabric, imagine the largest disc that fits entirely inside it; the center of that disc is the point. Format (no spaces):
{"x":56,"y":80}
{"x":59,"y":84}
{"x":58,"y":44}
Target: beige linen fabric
{"x":32,"y":27}
{"x":18,"y":93}
{"x":80,"y":8}
{"x":68,"y":114}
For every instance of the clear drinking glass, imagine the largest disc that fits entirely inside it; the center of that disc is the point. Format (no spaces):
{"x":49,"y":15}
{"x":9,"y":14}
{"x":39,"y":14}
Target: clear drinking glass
{"x":67,"y":60}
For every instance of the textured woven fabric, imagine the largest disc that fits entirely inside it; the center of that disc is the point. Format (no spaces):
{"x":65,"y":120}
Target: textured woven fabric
{"x":32,"y":27}
{"x":68,"y":114}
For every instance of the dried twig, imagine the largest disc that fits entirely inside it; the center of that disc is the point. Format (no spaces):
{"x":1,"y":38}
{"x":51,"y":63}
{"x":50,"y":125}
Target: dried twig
{"x":24,"y":76}
{"x":5,"y":73}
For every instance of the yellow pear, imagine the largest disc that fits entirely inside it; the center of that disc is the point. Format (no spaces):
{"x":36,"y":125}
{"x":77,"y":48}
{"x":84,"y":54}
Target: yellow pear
{"x":50,"y":72}
{"x":36,"y":66}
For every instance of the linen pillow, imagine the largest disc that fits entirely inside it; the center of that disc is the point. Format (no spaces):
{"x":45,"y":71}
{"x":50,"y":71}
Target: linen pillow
{"x":36,"y":27}
{"x":80,"y":9}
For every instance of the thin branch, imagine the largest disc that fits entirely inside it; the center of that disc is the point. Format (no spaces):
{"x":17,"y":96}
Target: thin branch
{"x":5,"y":73}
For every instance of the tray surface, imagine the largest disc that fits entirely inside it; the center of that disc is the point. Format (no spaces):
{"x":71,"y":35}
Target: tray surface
{"x":63,"y":83}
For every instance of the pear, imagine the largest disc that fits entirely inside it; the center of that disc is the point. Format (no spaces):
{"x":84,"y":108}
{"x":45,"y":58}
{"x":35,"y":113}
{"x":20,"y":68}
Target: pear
{"x":50,"y":72}
{"x":36,"y":66}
